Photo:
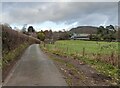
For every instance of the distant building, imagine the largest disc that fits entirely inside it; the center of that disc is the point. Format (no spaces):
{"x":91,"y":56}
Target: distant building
{"x":80,"y":36}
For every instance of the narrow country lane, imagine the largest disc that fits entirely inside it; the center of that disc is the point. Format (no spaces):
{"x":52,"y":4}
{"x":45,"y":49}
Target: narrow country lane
{"x":35,"y":69}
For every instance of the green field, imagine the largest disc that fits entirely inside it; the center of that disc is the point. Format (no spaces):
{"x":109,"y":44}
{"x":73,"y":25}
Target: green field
{"x":72,"y":46}
{"x":103,"y":56}
{"x":103,"y":51}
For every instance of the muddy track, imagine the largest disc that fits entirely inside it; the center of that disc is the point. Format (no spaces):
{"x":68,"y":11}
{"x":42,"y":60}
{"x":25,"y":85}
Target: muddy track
{"x":85,"y":76}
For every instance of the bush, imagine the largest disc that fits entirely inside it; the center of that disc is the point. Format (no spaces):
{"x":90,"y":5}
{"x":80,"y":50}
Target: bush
{"x":13,"y":43}
{"x":41,"y":36}
{"x":11,"y":39}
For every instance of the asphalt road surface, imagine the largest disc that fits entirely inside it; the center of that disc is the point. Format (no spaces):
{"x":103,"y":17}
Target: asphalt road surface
{"x":35,"y":69}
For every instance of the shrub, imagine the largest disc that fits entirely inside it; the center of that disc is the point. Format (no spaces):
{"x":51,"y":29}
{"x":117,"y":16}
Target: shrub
{"x":13,"y":43}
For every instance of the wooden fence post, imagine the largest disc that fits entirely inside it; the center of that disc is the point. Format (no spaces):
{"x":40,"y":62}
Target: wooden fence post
{"x":112,"y":58}
{"x":83,"y":51}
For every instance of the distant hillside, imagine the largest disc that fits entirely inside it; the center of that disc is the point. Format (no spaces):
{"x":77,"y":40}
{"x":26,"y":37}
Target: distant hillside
{"x":84,"y":29}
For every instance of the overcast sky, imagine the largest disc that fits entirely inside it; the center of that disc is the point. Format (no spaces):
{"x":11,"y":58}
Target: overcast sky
{"x":59,"y":15}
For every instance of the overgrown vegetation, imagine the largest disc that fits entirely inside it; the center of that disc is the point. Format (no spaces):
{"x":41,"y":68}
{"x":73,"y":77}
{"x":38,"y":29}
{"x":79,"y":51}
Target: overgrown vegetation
{"x":13,"y":54}
{"x":11,"y":39}
{"x":108,"y":33}
{"x":41,"y":36}
{"x":102,"y":56}
{"x":13,"y":44}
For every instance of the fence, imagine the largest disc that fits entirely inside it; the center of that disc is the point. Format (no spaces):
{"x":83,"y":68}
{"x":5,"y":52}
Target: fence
{"x":108,"y":56}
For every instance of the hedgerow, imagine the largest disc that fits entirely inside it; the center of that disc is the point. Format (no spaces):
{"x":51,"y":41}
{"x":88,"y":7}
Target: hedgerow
{"x":14,"y":43}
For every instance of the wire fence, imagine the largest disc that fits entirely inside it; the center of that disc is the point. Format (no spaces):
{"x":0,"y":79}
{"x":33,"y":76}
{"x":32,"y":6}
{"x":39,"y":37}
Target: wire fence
{"x":105,"y":53}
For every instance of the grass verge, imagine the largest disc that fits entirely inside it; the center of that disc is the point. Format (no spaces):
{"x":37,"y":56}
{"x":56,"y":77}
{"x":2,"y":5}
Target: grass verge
{"x":102,"y":67}
{"x":11,"y":55}
{"x":9,"y":59}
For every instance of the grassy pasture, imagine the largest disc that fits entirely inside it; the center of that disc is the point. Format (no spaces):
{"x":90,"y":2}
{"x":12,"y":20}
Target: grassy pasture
{"x":103,"y":56}
{"x":72,"y":46}
{"x":103,"y":51}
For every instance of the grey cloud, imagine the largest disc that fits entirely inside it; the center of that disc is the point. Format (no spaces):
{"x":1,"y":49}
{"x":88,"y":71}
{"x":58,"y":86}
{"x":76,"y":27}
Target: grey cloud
{"x":68,"y":12}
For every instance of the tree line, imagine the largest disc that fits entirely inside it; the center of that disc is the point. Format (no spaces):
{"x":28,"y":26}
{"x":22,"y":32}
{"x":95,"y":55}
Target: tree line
{"x":108,"y":33}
